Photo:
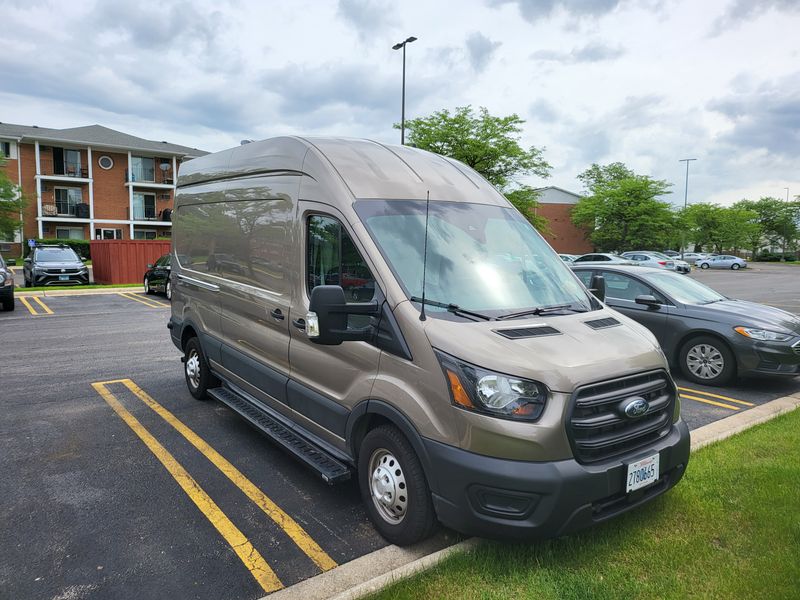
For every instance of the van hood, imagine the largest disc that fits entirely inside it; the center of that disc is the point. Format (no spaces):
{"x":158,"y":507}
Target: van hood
{"x":576,"y":355}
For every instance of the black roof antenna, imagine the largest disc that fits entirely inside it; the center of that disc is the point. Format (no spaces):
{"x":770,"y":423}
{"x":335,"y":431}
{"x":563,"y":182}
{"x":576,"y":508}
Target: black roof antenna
{"x":425,"y":255}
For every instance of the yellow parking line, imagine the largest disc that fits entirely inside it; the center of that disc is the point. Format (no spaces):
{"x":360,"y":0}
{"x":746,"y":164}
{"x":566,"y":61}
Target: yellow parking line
{"x":130,"y":296}
{"x":251,"y":558}
{"x":43,"y":305}
{"x":304,"y":541}
{"x":27,"y":304}
{"x":710,"y":395}
{"x":705,"y":400}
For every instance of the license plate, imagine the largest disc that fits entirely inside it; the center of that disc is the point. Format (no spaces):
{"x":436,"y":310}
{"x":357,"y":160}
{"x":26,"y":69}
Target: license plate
{"x":63,"y":277}
{"x":642,"y":473}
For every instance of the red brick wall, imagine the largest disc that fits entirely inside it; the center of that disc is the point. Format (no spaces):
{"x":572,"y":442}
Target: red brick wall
{"x":566,"y":237}
{"x":111,"y":199}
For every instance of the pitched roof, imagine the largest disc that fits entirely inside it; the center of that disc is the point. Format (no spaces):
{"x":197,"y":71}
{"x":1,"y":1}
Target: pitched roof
{"x":96,"y":135}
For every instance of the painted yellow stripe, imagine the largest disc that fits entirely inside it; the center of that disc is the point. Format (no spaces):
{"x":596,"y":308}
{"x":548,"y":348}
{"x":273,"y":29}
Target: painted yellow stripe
{"x":152,"y":300}
{"x":707,"y":401}
{"x":140,"y":300}
{"x":710,"y":395}
{"x":43,"y":305}
{"x":27,"y":304}
{"x":251,"y":558}
{"x":272,"y":510}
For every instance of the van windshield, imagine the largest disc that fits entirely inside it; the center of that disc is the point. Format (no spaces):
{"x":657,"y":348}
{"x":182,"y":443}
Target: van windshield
{"x":480,"y":257}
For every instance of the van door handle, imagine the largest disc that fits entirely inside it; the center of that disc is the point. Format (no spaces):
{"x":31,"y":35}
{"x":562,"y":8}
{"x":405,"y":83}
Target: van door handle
{"x":300,"y":324}
{"x":276,"y":314}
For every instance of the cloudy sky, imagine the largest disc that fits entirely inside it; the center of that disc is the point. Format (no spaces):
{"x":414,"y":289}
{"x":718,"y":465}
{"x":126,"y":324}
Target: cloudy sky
{"x":645,"y":82}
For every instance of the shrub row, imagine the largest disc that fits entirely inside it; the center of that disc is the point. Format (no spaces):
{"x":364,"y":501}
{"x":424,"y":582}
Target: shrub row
{"x":774,"y":256}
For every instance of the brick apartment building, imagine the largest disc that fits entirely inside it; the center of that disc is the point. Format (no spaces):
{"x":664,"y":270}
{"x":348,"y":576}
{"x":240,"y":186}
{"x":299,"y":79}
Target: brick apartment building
{"x":91,"y":182}
{"x":556,"y":204}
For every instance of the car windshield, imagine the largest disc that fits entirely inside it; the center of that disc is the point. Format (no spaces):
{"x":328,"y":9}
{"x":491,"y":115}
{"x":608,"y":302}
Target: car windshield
{"x":56,"y":255}
{"x":479,"y":257}
{"x":683,"y":289}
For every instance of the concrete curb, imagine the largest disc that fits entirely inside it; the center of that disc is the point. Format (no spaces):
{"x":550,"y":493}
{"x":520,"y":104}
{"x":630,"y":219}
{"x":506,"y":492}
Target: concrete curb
{"x":68,"y":292}
{"x":366,"y":575}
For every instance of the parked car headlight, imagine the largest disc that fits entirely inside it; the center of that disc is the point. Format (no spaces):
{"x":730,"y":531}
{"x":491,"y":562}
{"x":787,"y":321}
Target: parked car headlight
{"x":495,"y":394}
{"x":763,"y":335}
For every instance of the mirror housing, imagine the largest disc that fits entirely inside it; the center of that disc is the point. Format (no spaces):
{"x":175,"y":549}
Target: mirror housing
{"x":648,"y":300}
{"x":329,"y":310}
{"x":149,"y":266}
{"x":598,"y":287}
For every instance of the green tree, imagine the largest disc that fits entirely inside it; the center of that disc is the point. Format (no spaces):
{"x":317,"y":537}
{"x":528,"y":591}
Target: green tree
{"x":703,"y":223}
{"x":488,"y":144}
{"x":737,"y":226}
{"x":625,"y":213}
{"x":600,"y":175}
{"x":11,"y":203}
{"x":778,"y":222}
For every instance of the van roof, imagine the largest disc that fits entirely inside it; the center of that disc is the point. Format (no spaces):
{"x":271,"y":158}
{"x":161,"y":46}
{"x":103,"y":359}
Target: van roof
{"x":368,"y":169}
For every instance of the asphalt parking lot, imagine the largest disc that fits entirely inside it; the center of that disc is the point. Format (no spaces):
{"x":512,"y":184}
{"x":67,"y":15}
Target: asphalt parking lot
{"x":117,"y":483}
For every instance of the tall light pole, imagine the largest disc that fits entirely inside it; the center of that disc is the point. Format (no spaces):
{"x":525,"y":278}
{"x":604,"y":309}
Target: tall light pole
{"x":786,"y":232}
{"x":685,"y":200}
{"x":397,"y":46}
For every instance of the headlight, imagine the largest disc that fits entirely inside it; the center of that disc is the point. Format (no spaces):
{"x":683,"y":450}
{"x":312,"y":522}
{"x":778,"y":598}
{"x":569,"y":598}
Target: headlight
{"x":495,"y":394}
{"x":763,"y":334}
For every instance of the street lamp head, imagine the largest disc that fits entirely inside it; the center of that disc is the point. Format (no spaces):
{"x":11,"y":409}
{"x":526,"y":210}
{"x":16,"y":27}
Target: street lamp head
{"x":411,"y":39}
{"x":398,"y":46}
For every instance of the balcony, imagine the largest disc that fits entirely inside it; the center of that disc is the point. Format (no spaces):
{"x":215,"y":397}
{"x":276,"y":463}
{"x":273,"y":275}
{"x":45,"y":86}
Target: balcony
{"x":50,"y":168}
{"x":154,"y":176}
{"x":66,"y":209}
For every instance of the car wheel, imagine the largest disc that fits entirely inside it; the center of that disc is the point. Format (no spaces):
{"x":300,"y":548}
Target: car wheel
{"x":8,"y":303}
{"x":393,"y":487}
{"x":735,"y":266}
{"x":703,"y":265}
{"x":147,"y":288}
{"x":708,"y":361}
{"x":168,"y":290}
{"x":195,"y":367}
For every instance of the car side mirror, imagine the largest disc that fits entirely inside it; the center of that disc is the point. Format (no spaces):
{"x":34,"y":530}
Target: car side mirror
{"x":648,"y":300}
{"x":326,"y":321}
{"x":149,"y":266}
{"x":598,"y":287}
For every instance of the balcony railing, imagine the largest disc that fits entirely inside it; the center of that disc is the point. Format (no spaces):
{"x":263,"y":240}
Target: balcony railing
{"x":145,"y":175}
{"x":47,"y":166}
{"x":66,"y":209}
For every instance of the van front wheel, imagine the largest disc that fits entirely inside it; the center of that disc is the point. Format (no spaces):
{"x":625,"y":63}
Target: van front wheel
{"x":198,"y":376}
{"x":393,"y":487}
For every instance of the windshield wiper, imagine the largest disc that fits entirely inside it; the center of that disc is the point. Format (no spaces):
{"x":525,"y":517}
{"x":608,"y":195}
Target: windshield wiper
{"x":453,"y":308}
{"x":540,"y":310}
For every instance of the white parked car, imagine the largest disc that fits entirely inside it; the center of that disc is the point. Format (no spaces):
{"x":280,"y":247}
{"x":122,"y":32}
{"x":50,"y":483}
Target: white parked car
{"x":693,"y":257}
{"x":723,"y":261}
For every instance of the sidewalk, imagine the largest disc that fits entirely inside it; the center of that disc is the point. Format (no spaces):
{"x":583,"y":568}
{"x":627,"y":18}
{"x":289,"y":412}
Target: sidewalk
{"x":22,"y":292}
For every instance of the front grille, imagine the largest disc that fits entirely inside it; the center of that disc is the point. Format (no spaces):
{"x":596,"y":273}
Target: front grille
{"x":602,"y":323}
{"x":527,"y":332}
{"x":61,"y":271}
{"x":796,"y":347}
{"x":598,"y":429}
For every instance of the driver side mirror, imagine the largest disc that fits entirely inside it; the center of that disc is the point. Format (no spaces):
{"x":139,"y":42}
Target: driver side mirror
{"x":648,"y":300}
{"x":598,"y":287}
{"x":326,"y":321}
{"x":149,"y":266}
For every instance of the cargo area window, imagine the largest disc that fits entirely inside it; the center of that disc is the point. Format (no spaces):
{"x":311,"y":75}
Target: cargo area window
{"x":332,"y":259}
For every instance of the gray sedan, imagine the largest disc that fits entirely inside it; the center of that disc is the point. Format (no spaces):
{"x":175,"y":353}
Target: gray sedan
{"x":723,"y":261}
{"x":709,"y":337}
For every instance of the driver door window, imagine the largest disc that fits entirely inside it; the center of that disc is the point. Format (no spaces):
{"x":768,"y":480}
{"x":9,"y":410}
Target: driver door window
{"x":622,"y":287}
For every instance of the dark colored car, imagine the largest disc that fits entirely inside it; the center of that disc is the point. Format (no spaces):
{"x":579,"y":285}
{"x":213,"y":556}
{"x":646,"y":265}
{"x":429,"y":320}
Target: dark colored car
{"x":157,"y":279}
{"x":6,"y":286}
{"x":710,"y":337}
{"x":54,"y":265}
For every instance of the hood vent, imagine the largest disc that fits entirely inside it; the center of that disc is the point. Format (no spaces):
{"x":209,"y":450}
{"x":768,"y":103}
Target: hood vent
{"x":603,"y":323}
{"x":527,"y":332}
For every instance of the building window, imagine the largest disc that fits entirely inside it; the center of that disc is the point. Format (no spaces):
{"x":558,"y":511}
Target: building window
{"x":105,"y":162}
{"x":143,"y":169}
{"x":144,"y":234}
{"x":5,"y":149}
{"x":144,"y":206}
{"x":70,"y":233}
{"x":108,"y":234}
{"x":67,"y":200}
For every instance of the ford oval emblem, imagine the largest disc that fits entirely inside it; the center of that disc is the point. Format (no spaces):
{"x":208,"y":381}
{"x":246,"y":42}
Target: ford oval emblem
{"x":636,"y":408}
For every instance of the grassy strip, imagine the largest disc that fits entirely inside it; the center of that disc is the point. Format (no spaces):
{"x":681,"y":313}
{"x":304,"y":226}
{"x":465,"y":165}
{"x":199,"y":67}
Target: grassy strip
{"x":730,"y":529}
{"x":95,"y":286}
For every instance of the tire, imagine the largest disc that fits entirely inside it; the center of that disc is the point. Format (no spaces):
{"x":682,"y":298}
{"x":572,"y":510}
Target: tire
{"x":735,"y":266}
{"x":406,"y":514}
{"x":168,"y":290}
{"x":8,"y":303}
{"x":195,"y":369}
{"x":720,"y":367}
{"x":147,"y":288}
{"x":27,"y":282}
{"x":703,"y":265}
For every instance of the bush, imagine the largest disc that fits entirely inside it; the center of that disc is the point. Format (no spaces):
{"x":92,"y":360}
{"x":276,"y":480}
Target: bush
{"x":774,"y":256}
{"x":81,"y":247}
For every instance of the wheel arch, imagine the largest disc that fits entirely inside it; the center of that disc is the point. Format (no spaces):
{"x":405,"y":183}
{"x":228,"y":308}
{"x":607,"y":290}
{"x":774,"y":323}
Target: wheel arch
{"x":694,"y":333}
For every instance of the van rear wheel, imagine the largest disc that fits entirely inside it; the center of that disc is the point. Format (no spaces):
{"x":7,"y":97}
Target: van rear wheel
{"x":195,"y":368}
{"x":393,"y":487}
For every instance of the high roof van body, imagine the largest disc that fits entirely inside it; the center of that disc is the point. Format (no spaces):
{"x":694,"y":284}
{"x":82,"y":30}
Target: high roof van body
{"x":384,"y":313}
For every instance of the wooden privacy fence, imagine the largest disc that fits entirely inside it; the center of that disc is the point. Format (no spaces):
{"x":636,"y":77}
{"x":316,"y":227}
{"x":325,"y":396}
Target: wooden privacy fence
{"x":124,"y":261}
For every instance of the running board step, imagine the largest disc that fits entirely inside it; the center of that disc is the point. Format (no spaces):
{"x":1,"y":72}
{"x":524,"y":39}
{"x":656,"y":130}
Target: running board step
{"x":330,"y":469}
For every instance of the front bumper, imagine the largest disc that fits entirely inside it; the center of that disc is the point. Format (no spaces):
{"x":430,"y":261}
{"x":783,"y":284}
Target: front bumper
{"x":500,"y":498}
{"x":768,"y":358}
{"x":48,"y":279}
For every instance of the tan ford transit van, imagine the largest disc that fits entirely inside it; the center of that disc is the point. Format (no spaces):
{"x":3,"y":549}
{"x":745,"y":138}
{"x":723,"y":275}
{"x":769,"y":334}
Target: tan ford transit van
{"x":384,"y":313}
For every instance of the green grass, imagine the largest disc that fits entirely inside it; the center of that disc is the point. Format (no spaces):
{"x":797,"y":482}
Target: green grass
{"x":94,"y":286}
{"x":730,"y":529}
